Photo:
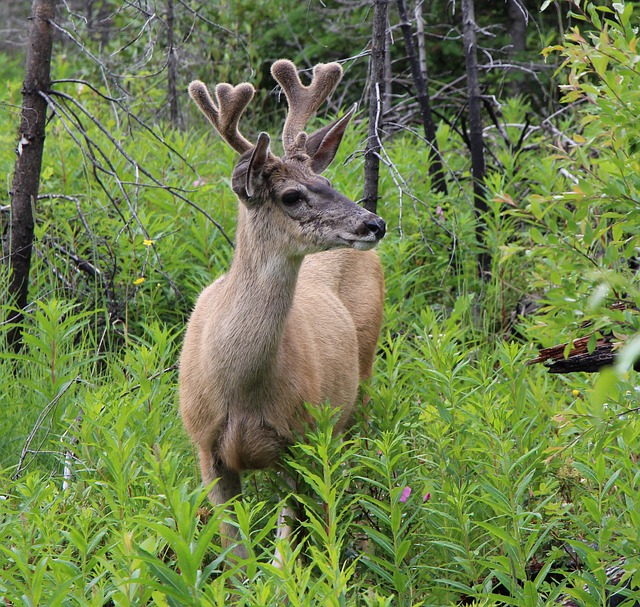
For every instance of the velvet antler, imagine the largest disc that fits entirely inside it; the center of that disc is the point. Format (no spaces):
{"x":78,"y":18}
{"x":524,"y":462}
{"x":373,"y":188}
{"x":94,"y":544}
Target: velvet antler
{"x":303,"y":101}
{"x":231,"y":103}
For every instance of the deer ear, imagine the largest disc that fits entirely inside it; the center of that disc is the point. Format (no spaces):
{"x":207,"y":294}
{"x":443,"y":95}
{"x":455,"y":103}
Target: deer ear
{"x":259,"y":157}
{"x":323,"y":144}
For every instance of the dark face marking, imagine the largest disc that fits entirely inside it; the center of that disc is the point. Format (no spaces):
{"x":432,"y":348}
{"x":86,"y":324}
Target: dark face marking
{"x":321,"y":187}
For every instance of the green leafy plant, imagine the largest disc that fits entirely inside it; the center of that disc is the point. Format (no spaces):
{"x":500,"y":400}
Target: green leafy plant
{"x":585,"y":240}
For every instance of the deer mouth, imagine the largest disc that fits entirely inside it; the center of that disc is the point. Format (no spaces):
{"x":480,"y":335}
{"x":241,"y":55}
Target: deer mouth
{"x":364,"y":245}
{"x":368,"y":234}
{"x":360,"y":243}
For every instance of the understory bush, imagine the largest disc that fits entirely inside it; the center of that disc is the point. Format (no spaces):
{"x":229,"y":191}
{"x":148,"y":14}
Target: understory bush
{"x":470,"y":476}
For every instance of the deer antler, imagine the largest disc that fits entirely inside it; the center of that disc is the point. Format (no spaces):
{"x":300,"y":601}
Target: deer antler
{"x":303,"y":101}
{"x":232,"y":101}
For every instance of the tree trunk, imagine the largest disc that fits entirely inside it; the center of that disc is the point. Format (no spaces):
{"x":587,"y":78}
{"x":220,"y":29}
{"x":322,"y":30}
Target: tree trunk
{"x":476,"y":142}
{"x":388,"y":73}
{"x":518,"y":17}
{"x":376,"y":105}
{"x":172,"y":68}
{"x":435,"y":165}
{"x":19,"y":237}
{"x":422,"y":48}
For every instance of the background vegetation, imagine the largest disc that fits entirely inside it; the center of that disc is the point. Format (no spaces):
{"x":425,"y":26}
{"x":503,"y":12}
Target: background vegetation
{"x":471,"y":477}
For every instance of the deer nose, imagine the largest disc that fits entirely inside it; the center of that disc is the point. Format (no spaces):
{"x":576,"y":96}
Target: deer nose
{"x":377,"y":227}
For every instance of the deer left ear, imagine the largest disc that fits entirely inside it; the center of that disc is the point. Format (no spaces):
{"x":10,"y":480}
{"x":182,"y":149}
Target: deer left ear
{"x":259,"y":157}
{"x":323,"y":144}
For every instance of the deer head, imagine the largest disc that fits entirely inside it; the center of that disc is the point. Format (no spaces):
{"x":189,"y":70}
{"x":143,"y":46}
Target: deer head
{"x":287,"y":196}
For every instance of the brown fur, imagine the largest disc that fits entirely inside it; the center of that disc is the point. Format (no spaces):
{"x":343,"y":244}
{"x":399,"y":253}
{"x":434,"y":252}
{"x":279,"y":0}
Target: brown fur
{"x":295,"y":320}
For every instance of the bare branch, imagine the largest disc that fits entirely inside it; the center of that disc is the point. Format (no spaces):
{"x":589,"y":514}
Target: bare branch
{"x":46,"y":412}
{"x":66,"y":116}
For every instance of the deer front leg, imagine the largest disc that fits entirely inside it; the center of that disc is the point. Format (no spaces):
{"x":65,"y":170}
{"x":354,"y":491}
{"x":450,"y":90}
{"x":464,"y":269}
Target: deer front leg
{"x":284,"y":532}
{"x":286,"y":517}
{"x":226,"y":488}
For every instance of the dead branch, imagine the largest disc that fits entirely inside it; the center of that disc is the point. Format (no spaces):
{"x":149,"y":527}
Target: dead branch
{"x":44,"y":414}
{"x":68,"y":117}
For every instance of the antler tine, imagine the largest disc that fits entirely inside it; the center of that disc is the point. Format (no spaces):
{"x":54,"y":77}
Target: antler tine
{"x":303,"y":101}
{"x":232,"y":101}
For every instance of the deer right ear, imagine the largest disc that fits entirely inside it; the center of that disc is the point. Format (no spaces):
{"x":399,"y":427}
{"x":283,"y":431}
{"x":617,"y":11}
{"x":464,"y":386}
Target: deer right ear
{"x":259,"y":158}
{"x":323,"y":145}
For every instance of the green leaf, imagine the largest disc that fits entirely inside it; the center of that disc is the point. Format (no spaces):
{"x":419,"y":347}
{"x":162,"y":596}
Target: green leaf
{"x":604,"y":389}
{"x":536,"y":235}
{"x":629,"y":355}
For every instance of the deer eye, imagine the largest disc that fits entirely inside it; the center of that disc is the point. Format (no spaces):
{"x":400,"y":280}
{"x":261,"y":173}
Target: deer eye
{"x":291,"y":197}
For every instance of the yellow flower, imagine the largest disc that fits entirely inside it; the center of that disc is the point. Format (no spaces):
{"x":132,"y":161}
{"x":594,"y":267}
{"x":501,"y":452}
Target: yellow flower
{"x":138,"y":281}
{"x":147,"y":242}
{"x":575,"y":392}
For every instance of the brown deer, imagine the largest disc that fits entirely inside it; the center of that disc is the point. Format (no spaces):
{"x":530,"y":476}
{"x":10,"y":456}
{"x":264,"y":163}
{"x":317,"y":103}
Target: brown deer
{"x":297,"y":317}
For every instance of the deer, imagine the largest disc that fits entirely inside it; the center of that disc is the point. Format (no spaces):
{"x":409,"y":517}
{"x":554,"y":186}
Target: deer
{"x":295,"y":321}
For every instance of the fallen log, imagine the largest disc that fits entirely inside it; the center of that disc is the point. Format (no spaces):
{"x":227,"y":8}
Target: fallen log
{"x":579,"y":358}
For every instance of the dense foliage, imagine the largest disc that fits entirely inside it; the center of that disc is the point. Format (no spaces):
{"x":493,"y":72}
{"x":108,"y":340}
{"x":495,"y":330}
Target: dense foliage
{"x":471,"y":477}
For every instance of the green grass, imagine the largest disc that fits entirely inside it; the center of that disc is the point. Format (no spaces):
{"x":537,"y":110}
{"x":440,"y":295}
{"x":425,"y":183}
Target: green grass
{"x":508,"y":466}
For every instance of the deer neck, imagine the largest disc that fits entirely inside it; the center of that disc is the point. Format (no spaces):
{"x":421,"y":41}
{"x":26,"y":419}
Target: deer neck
{"x":262,"y":282}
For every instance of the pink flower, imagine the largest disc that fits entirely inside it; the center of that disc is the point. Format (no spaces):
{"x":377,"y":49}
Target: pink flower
{"x":406,"y":492}
{"x":427,"y":497}
{"x":198,"y":182}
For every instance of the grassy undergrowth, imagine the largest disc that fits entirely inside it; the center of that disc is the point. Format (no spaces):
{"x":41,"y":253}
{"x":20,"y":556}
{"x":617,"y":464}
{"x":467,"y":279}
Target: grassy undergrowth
{"x":470,"y":477}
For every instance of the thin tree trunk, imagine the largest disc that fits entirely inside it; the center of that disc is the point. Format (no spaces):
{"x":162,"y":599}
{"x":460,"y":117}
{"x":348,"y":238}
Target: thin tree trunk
{"x":376,"y":105}
{"x":422,"y":49}
{"x":388,"y":73}
{"x":172,"y":67}
{"x":476,"y":141}
{"x":435,"y":165}
{"x":518,"y":17}
{"x":19,"y":237}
